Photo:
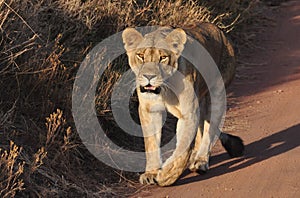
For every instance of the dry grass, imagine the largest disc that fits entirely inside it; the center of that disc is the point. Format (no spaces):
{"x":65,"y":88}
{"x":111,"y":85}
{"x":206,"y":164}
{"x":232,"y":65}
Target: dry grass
{"x":42,"y":44}
{"x":11,"y":171}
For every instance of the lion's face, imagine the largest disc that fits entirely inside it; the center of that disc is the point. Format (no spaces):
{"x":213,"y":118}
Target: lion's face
{"x":154,"y":57}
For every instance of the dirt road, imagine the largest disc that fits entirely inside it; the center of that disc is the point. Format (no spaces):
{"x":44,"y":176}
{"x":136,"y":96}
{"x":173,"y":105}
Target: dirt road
{"x":266,"y":114}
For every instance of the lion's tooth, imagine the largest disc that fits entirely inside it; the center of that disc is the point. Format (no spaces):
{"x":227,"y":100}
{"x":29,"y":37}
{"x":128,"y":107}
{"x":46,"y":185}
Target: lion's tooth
{"x":150,"y":88}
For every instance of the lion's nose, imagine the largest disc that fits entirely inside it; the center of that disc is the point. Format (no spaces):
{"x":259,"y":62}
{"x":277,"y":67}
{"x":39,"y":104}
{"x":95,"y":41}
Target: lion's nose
{"x":149,"y":77}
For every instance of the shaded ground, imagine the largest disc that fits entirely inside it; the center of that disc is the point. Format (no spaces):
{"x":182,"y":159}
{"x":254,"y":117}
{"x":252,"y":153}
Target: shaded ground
{"x":266,"y":115}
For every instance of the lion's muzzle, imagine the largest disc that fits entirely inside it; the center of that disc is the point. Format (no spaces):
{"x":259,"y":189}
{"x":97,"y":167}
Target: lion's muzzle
{"x":149,"y":84}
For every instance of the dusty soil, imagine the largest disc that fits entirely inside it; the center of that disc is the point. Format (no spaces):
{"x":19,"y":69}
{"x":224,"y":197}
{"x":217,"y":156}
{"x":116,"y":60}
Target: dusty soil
{"x":266,"y":114}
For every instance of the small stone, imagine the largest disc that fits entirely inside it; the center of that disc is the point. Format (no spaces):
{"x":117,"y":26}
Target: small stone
{"x":278,"y":91}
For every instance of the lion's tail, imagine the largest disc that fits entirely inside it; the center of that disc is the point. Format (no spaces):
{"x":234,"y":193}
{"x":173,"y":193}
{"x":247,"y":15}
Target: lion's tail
{"x":233,"y":144}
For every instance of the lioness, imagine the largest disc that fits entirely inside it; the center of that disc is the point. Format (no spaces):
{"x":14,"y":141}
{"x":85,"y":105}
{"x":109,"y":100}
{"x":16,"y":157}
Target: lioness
{"x":166,"y":81}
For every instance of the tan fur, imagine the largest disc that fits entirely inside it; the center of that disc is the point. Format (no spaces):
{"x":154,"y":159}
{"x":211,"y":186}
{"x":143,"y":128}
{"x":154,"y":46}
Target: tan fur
{"x":154,"y":58}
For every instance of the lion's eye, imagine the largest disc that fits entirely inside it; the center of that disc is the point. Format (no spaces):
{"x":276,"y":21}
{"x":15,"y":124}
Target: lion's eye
{"x":140,"y":56}
{"x":164,"y":59}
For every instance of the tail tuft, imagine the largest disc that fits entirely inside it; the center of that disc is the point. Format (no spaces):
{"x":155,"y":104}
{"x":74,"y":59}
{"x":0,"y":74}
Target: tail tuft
{"x":233,"y":144}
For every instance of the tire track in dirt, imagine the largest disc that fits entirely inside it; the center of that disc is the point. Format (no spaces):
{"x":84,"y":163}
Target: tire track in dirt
{"x":268,"y":113}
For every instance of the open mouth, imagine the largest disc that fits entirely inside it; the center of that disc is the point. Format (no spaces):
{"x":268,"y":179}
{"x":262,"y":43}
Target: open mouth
{"x":150,"y":89}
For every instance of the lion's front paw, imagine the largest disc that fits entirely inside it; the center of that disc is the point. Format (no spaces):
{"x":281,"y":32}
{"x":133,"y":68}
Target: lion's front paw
{"x":149,"y":177}
{"x":200,"y":165}
{"x":167,"y":176}
{"x":172,"y":170}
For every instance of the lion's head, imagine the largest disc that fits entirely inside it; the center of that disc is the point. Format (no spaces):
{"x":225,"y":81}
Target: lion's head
{"x":153,"y":57}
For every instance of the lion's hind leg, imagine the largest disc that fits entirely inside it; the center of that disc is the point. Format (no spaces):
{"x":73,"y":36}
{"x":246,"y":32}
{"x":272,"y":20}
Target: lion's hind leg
{"x":199,"y":160}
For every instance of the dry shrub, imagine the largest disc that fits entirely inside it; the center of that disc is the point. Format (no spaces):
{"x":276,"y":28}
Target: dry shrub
{"x":132,"y":13}
{"x":11,"y":171}
{"x":16,"y":168}
{"x":142,"y":13}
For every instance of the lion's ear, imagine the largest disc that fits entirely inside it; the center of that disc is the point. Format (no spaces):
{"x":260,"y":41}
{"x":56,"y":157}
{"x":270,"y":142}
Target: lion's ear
{"x":176,"y":39}
{"x":131,"y":38}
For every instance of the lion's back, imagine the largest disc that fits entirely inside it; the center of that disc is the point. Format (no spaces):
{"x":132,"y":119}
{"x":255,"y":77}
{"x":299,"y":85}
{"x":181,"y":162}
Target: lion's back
{"x":219,"y":47}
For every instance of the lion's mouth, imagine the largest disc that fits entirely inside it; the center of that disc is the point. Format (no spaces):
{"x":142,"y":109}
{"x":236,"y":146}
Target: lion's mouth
{"x":150,"y":89}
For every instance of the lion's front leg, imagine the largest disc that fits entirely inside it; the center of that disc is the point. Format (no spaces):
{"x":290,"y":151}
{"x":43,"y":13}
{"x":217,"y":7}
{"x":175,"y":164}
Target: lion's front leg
{"x":151,"y":123}
{"x":176,"y":164}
